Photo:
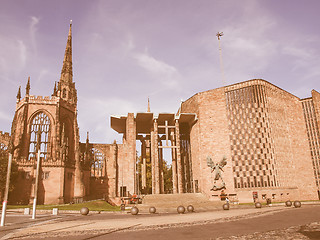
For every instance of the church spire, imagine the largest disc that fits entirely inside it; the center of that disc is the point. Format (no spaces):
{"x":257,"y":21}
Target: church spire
{"x":28,"y":87}
{"x":66,"y":86}
{"x":66,"y":72}
{"x":19,"y":94}
{"x":148,"y":105}
{"x":55,"y":89}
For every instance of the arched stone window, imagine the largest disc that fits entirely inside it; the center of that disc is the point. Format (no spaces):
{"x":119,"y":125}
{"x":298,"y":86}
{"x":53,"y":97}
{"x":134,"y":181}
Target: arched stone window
{"x":3,"y":147}
{"x":64,"y":93}
{"x":98,"y":164}
{"x":39,"y":136}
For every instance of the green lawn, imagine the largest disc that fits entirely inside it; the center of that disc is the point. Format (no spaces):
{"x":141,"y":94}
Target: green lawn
{"x":97,"y":205}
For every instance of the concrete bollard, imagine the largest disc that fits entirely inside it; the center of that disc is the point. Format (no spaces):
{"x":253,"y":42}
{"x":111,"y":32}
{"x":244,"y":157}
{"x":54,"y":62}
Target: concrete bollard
{"x":27,"y":211}
{"x":181,"y":209}
{"x":134,"y":210}
{"x":258,"y":205}
{"x":55,"y":211}
{"x":288,"y":203}
{"x":190,"y":208}
{"x":226,"y":206}
{"x":297,"y":204}
{"x":84,"y":211}
{"x":152,"y":210}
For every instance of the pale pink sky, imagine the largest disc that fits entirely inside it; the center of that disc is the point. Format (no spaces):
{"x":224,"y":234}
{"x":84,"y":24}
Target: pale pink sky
{"x":125,"y":51}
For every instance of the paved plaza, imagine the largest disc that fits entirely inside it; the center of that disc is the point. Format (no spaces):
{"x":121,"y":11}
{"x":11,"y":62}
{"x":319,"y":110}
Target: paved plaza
{"x":276,"y":222}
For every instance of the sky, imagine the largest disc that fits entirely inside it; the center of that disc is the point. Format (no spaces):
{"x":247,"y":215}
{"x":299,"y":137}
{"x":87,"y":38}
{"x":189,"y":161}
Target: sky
{"x":126,"y":51}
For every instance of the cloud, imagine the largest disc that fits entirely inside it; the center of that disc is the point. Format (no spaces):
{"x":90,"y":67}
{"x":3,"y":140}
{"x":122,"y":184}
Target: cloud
{"x":129,"y":44}
{"x":42,"y":74}
{"x":165,"y":73}
{"x":23,"y":53}
{"x":5,"y":116}
{"x":94,"y":116}
{"x":33,"y":29}
{"x":298,"y":52}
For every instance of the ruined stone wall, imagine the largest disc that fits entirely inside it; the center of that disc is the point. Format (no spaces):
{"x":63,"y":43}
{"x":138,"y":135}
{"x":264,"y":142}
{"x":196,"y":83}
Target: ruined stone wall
{"x":106,"y":185}
{"x":127,"y":164}
{"x":4,"y":140}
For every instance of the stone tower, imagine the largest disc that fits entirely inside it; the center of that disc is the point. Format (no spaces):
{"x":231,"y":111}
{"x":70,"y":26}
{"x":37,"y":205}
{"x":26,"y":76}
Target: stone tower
{"x":49,"y":124}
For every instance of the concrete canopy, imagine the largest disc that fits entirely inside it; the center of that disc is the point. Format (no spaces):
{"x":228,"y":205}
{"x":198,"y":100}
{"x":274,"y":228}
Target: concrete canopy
{"x":144,"y":121}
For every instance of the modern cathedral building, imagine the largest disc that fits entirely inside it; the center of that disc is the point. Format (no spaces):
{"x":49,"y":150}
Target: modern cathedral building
{"x":250,"y":140}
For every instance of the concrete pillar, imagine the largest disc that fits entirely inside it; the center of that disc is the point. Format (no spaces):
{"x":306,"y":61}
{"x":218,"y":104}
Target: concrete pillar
{"x":144,"y":165}
{"x":130,"y":161}
{"x":113,"y":172}
{"x":179,"y":164}
{"x":161,"y":168}
{"x":156,"y":158}
{"x":152,"y":146}
{"x":79,"y":189}
{"x":174,"y":165}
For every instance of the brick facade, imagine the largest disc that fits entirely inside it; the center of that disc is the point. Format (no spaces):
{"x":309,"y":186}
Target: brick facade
{"x":261,"y":129}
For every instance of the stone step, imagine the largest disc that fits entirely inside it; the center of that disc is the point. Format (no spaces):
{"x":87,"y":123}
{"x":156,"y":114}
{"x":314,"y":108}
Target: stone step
{"x":175,"y":198}
{"x":173,"y":209}
{"x":172,"y":201}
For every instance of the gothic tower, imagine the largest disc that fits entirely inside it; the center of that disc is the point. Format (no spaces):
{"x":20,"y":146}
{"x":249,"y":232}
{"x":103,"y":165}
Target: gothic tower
{"x":49,"y":124}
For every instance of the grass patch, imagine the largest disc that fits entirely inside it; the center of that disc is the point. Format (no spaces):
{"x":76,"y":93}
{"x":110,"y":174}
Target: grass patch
{"x":97,"y":205}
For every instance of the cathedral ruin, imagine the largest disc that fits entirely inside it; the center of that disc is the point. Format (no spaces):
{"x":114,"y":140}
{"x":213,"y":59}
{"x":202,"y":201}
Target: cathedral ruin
{"x":268,"y":137}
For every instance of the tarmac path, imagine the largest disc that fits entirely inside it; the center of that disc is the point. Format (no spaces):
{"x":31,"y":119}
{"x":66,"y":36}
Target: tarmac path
{"x":266,"y":223}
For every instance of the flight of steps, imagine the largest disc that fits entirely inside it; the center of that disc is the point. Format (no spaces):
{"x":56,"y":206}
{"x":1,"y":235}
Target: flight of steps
{"x":169,"y":202}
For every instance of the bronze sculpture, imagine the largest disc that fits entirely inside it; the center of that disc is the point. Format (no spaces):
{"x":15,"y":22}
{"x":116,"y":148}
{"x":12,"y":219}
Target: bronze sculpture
{"x":216,"y":170}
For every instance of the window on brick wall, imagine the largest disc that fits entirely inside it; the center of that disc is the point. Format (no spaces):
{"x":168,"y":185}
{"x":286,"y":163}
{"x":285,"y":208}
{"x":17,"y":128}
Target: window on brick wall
{"x":39,"y":136}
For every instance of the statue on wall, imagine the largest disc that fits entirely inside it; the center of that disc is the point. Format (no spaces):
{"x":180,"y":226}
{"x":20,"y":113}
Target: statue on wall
{"x":216,"y":169}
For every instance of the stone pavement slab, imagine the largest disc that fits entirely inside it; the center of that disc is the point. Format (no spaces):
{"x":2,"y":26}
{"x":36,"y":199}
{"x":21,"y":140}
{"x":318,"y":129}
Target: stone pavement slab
{"x":109,"y":222}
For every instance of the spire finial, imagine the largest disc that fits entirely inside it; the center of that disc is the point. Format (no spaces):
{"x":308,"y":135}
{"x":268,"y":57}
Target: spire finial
{"x":66,"y":72}
{"x":148,"y":105}
{"x":28,"y":87}
{"x":19,"y":94}
{"x":55,"y":89}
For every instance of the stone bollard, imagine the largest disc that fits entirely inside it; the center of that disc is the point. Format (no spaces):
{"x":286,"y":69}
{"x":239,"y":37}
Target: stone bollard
{"x":27,"y":211}
{"x":190,"y":208}
{"x":226,"y":206}
{"x":181,"y":209}
{"x":258,"y":205}
{"x":134,"y":210}
{"x":84,"y":211}
{"x":152,"y":210}
{"x":297,"y":204}
{"x":55,"y":211}
{"x":288,"y":203}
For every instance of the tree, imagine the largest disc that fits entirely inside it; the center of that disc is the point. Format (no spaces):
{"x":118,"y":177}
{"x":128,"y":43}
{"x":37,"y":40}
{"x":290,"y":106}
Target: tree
{"x":167,"y":176}
{"x":4,"y":156}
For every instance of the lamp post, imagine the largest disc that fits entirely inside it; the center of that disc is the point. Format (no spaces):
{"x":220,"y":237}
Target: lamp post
{"x":5,"y":199}
{"x":36,"y":187}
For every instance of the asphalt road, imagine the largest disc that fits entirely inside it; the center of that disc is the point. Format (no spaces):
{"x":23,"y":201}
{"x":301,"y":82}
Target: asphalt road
{"x":294,"y":223}
{"x":278,"y":223}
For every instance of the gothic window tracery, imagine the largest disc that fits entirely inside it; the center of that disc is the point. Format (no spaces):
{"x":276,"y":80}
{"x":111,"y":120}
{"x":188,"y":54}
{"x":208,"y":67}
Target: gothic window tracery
{"x":97,"y":166}
{"x":3,"y":147}
{"x":64,"y":93}
{"x":39,"y":136}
